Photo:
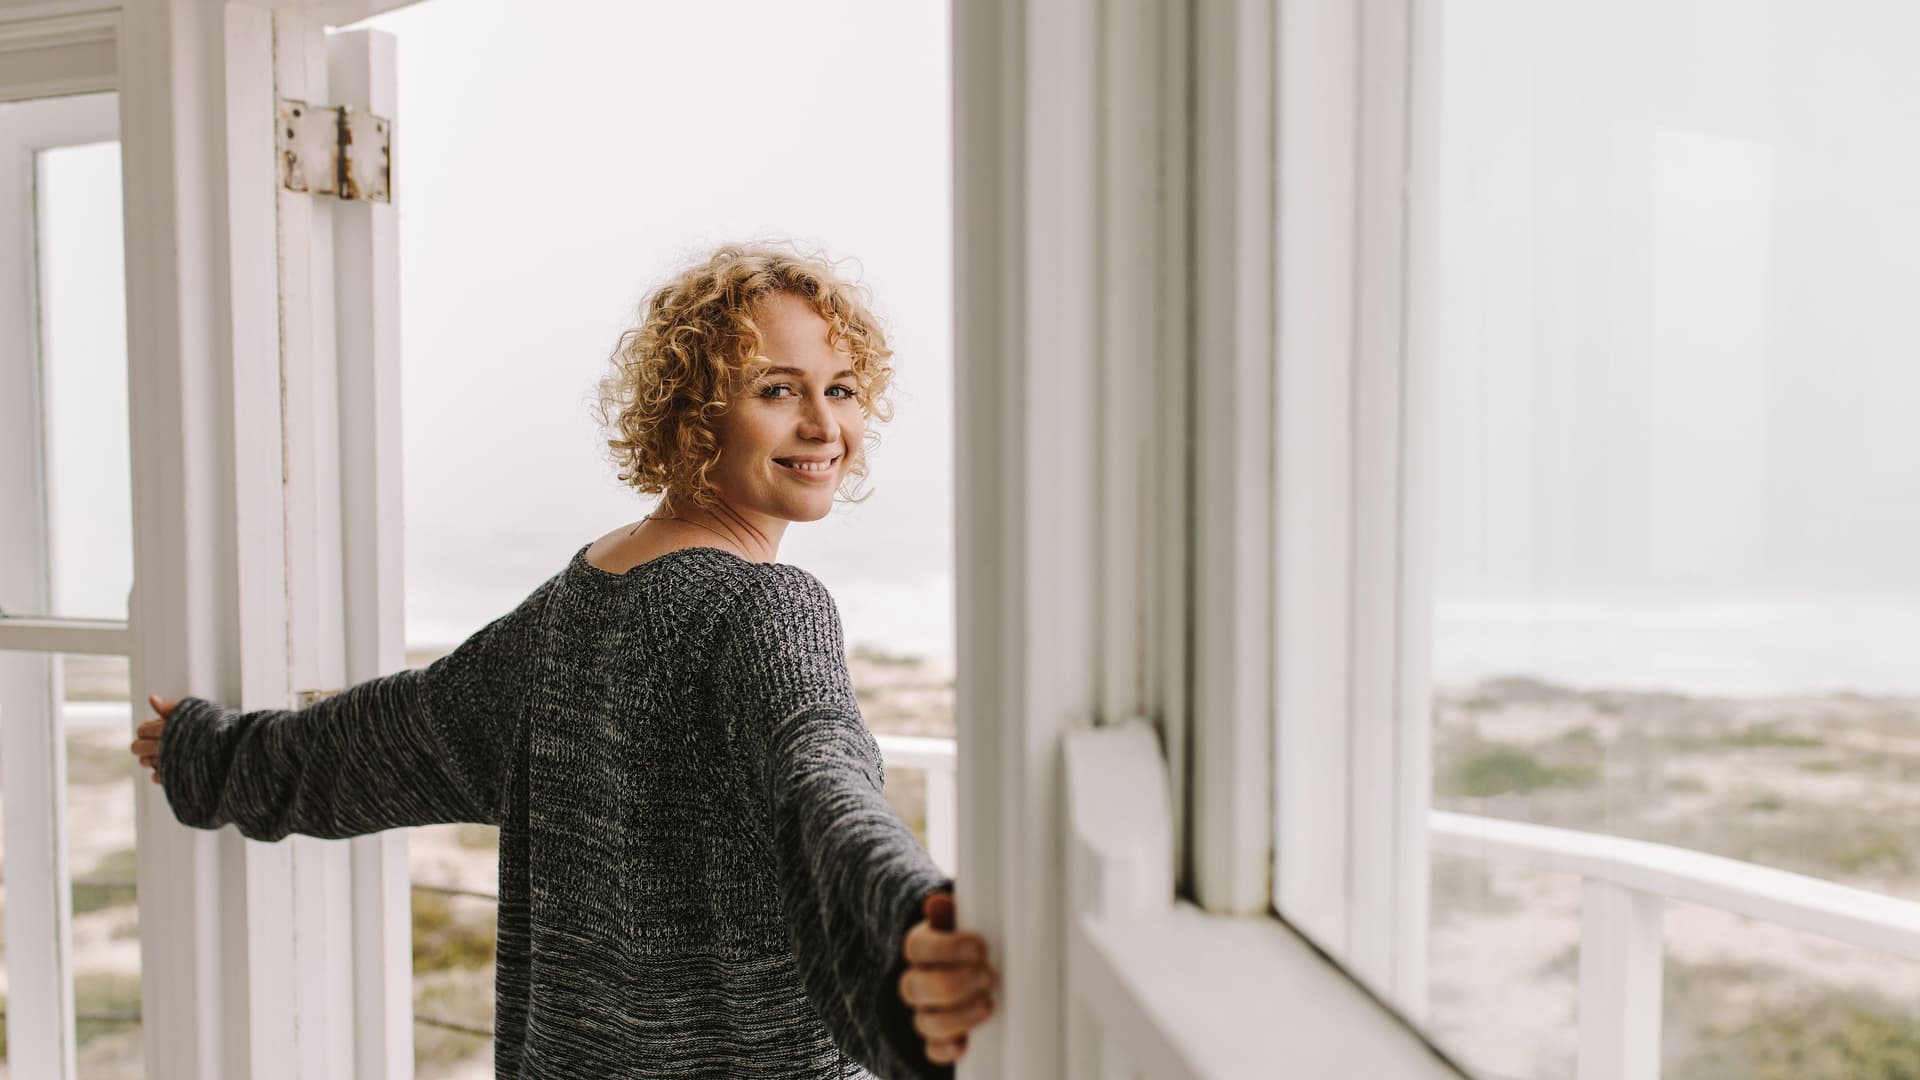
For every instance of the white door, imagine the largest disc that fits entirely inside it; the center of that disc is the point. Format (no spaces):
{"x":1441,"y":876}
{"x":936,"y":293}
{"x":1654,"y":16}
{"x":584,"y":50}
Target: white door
{"x":337,"y":281}
{"x":248,"y":400}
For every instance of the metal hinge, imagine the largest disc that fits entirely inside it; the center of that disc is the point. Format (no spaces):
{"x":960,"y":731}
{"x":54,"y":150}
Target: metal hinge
{"x":307,"y":697}
{"x":335,"y":150}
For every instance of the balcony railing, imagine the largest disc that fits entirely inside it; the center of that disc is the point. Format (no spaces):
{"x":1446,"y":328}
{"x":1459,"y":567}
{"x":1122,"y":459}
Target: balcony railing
{"x":1627,"y":886}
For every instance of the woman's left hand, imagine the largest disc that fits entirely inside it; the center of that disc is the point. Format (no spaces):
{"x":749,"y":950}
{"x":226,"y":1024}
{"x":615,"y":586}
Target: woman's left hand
{"x":147,"y":746}
{"x":948,"y":982}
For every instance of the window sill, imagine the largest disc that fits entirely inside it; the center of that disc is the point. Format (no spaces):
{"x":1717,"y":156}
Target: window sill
{"x":1188,"y":994}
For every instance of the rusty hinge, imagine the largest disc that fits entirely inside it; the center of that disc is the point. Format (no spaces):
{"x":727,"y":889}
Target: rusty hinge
{"x":307,"y":697}
{"x":335,"y":150}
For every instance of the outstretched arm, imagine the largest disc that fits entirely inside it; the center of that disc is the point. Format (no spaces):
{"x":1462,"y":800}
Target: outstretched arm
{"x":853,"y":880}
{"x":415,"y":747}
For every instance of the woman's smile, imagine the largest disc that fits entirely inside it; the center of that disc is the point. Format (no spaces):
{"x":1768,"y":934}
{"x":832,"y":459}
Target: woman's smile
{"x":814,"y":469}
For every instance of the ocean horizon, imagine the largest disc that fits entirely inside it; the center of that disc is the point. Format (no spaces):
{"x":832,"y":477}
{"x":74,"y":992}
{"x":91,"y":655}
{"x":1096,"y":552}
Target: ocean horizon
{"x":1732,"y":645}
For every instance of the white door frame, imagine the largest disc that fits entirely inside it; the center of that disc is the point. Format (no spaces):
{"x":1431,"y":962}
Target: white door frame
{"x":231,"y":603}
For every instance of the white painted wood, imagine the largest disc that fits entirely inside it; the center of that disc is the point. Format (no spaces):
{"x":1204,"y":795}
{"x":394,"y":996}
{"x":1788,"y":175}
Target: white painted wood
{"x":1141,"y":306}
{"x":33,"y":771}
{"x":943,"y":825}
{"x":39,"y":925}
{"x":1120,"y":862}
{"x":362,"y":72}
{"x":1119,"y":822}
{"x":322,"y":905}
{"x":48,"y":50}
{"x":270,"y":956}
{"x":1351,"y":754}
{"x":1027,"y":552}
{"x":343,"y":12}
{"x":1620,"y":983}
{"x":1387,"y":701}
{"x":1873,"y":920}
{"x":102,"y":637}
{"x":1414,"y":740}
{"x":916,"y":752}
{"x":1233,"y":448}
{"x":27,"y":129}
{"x":1027,"y":175}
{"x":938,"y":758}
{"x":1318,"y":90}
{"x":208,"y":608}
{"x":1191,"y":994}
{"x":1167,"y":643}
{"x":339,"y":288}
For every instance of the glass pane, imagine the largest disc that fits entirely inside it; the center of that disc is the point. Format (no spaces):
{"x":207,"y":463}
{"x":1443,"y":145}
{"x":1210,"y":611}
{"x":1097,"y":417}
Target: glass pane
{"x":83,"y":353}
{"x":1676,"y":591}
{"x":101,"y":775}
{"x":96,"y":786}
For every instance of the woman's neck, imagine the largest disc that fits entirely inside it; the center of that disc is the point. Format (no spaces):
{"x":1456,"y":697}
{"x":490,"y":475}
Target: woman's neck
{"x":752,"y":540}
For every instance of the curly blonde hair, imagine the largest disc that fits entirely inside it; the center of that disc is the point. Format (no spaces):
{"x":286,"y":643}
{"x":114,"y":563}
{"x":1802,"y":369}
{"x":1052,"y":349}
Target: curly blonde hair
{"x":696,"y":346}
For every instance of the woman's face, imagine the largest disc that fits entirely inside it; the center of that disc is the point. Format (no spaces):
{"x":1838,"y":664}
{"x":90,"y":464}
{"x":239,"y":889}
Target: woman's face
{"x":786,"y":441}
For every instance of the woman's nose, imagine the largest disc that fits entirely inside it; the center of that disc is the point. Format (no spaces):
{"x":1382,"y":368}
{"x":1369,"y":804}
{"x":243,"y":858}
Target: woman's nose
{"x":817,"y":421}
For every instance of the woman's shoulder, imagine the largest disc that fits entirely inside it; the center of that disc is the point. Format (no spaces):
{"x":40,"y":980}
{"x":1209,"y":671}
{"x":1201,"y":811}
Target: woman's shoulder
{"x":783,"y":590}
{"x":721,"y":581}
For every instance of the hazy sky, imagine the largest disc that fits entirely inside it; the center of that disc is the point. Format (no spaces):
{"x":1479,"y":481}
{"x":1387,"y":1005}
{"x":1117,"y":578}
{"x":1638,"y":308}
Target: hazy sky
{"x":554,"y":162}
{"x":1677,"y":360}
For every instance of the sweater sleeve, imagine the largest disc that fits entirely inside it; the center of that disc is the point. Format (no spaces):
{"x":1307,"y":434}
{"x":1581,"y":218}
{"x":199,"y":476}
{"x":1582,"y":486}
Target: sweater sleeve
{"x":416,"y":747}
{"x":852,"y":877}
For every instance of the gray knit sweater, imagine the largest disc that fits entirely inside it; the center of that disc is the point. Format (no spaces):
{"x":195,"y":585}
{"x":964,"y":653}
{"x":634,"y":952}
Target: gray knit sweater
{"x":700,"y":875}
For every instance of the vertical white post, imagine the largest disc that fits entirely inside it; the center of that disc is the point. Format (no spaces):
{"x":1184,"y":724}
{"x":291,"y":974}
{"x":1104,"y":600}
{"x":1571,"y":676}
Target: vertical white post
{"x":339,"y":277}
{"x":1413,"y":781}
{"x":1621,"y":955}
{"x":39,"y":925}
{"x":1026,"y":259}
{"x":1351,"y":790}
{"x":361,"y":73}
{"x":1233,"y":448}
{"x":943,"y":819}
{"x":322,"y":905}
{"x":208,"y":612}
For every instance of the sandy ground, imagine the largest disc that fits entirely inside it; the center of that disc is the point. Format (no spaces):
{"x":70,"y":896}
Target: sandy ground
{"x":1824,"y":786}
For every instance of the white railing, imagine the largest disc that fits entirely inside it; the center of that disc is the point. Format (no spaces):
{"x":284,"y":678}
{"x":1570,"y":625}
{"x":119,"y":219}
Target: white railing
{"x":936,"y":758}
{"x":1627,"y":882}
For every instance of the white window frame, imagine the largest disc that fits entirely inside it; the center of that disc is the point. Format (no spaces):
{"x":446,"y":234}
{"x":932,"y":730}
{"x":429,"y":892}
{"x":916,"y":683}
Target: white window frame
{"x":1351,"y":703}
{"x":239,"y":939}
{"x":33,"y":761}
{"x":1121,"y":294}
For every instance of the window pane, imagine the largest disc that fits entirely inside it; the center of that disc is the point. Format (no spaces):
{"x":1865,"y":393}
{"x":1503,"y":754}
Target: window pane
{"x":83,"y":353}
{"x":91,"y":777}
{"x":1676,"y":591}
{"x":101,"y":775}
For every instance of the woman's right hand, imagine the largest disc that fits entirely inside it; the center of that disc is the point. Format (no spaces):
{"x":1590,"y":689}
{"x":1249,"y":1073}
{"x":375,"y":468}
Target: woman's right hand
{"x":146,"y":747}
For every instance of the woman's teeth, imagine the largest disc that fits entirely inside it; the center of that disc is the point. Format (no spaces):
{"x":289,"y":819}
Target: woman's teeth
{"x":809,"y":466}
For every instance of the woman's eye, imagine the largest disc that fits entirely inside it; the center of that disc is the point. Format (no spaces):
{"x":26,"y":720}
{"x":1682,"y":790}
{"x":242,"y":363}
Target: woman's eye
{"x":774,"y":391}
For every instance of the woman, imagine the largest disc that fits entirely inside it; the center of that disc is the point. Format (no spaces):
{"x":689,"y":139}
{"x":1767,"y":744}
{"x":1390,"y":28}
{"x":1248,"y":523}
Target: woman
{"x":699,"y":872}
